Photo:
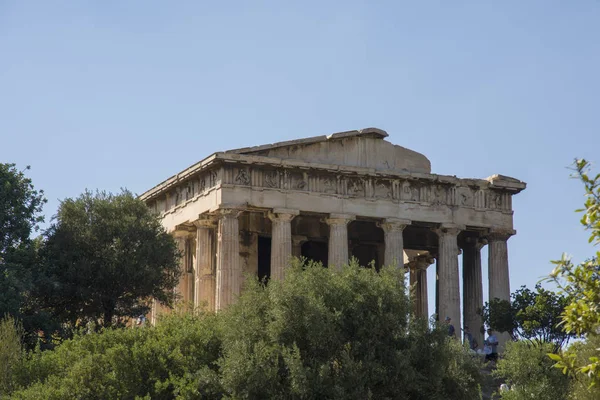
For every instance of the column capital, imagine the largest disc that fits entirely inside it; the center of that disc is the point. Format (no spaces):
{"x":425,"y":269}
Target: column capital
{"x":449,"y":229}
{"x":475,"y":242}
{"x":339,"y":219}
{"x":421,"y":262}
{"x":228,"y":213}
{"x":206,"y":221}
{"x":298,"y":240}
{"x":500,"y":235}
{"x":393,"y":224}
{"x":282,"y":214}
{"x":181,"y":233}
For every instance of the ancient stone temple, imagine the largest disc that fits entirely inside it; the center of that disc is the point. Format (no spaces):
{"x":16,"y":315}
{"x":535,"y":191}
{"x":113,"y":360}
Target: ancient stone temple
{"x":328,"y":198}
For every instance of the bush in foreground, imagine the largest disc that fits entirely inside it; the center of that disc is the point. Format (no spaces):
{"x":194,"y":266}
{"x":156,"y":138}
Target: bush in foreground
{"x":320,"y":334}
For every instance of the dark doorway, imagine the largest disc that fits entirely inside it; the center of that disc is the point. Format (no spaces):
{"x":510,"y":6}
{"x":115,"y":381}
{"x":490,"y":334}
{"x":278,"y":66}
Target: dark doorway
{"x":264,"y":258}
{"x":316,"y":251}
{"x":366,"y":254}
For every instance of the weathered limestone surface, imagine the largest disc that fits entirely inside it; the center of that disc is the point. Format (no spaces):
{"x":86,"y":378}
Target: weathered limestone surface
{"x":498,"y":273}
{"x":354,"y":148}
{"x":281,"y":241}
{"x":394,"y":241}
{"x":472,"y":288}
{"x":338,"y":239}
{"x":229,"y":271}
{"x":418,"y":278}
{"x":448,"y":274}
{"x":205,"y":272}
{"x":300,"y":198}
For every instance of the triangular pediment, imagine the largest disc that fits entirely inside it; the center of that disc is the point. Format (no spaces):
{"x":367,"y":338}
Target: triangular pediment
{"x":365,"y":148}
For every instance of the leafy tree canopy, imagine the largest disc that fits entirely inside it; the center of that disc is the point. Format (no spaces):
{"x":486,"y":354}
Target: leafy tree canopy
{"x":320,"y":334}
{"x":103,"y":258}
{"x":581,"y":283}
{"x":20,"y":215}
{"x":533,"y":315}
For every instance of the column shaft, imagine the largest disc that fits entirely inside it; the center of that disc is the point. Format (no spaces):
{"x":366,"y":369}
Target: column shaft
{"x":449,"y":289}
{"x":281,"y":241}
{"x":338,"y":239}
{"x":498,"y":273}
{"x":204,"y":295}
{"x":418,"y":279}
{"x":393,"y":229}
{"x":183,"y":287}
{"x":229,"y":268}
{"x":472,"y":288}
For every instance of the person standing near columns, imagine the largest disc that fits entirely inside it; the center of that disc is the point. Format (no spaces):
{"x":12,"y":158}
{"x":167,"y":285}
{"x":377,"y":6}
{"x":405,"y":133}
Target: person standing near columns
{"x":393,"y":229}
{"x":281,"y":241}
{"x":204,"y":295}
{"x":338,"y":239}
{"x":473,"y":286}
{"x":229,"y":267}
{"x":498,"y":272}
{"x":449,"y":290}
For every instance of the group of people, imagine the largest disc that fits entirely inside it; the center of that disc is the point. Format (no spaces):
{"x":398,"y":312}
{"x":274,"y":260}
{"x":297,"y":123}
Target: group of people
{"x":490,"y":345}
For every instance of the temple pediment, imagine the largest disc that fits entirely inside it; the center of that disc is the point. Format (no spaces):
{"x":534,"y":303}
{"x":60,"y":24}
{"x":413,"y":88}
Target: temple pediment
{"x":364,"y":148}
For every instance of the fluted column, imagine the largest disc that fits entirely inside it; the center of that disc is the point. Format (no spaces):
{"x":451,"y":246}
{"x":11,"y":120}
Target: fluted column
{"x":338,"y":239}
{"x":281,"y":241}
{"x":473,"y":287}
{"x":229,"y":268}
{"x":449,"y":289}
{"x":418,"y":278}
{"x":498,"y":273}
{"x":205,"y":284}
{"x":393,"y":229}
{"x":183,"y":287}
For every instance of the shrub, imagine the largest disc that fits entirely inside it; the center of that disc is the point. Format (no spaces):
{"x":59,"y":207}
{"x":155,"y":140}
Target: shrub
{"x":530,"y":373}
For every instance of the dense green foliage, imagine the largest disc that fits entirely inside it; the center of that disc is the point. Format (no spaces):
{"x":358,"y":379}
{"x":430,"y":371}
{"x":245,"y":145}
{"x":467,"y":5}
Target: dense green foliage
{"x":530,"y":373}
{"x":582,"y":284}
{"x":11,"y":348}
{"x":103,"y":258}
{"x":20,"y":214}
{"x":320,"y":334}
{"x":532,"y":315}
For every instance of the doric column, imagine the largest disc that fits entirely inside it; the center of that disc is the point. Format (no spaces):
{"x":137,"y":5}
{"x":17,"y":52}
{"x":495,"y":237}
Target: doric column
{"x":338,"y":239}
{"x":394,"y":242}
{"x":472,"y":287}
{"x":498,"y":274}
{"x":229,"y":267}
{"x":186,"y":282}
{"x":418,"y":278}
{"x":297,"y":242}
{"x":449,"y":289}
{"x":205,"y":284}
{"x":281,"y":241}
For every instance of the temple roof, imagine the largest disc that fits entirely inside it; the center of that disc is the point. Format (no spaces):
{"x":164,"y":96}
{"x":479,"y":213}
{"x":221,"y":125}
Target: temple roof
{"x":364,"y":148}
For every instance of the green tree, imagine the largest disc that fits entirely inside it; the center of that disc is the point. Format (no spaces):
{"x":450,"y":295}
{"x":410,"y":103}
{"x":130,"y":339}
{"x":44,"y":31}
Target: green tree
{"x":103,"y":258}
{"x":581,"y":283}
{"x":11,"y":351}
{"x":529,"y":372}
{"x":532,"y":315}
{"x":320,"y":334}
{"x":20,"y":215}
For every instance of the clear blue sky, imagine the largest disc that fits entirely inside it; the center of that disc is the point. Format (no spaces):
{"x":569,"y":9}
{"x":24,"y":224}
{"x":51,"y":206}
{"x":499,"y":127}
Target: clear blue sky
{"x":118,"y":94}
